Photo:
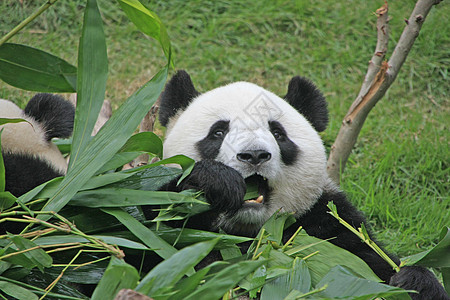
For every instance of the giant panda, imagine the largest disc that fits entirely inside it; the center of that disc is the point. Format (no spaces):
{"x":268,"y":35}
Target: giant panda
{"x":241,"y":133}
{"x":29,"y":155}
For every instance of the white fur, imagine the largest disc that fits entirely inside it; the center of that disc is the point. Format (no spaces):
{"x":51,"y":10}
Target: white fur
{"x":248,"y":107}
{"x":28,"y":137}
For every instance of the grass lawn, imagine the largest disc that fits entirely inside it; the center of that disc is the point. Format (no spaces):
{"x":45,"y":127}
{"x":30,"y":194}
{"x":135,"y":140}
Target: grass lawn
{"x":398,"y":173}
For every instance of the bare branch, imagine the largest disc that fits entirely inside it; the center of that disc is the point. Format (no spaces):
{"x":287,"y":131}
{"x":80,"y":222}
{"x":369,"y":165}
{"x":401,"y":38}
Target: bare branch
{"x":380,"y":75}
{"x":147,"y":125}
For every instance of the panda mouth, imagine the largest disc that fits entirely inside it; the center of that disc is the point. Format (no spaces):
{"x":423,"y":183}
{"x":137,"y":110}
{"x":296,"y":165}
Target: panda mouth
{"x":257,"y":190}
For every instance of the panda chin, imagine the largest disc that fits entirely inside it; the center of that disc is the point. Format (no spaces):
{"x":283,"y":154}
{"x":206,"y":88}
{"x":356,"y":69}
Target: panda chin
{"x":262,"y":185}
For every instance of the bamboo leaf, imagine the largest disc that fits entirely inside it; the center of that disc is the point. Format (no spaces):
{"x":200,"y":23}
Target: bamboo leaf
{"x":148,"y":23}
{"x":37,"y":255}
{"x":144,"y":142}
{"x":6,"y":198}
{"x":325,"y":256}
{"x":437,"y":257}
{"x":342,"y":284}
{"x":162,"y":248}
{"x":114,"y":197}
{"x":91,"y":80}
{"x":189,"y":284}
{"x":226,"y":279}
{"x":12,"y":120}
{"x":118,"y":275}
{"x":107,"y":141}
{"x":35,"y":70}
{"x":168,"y":272}
{"x":17,"y":292}
{"x":2,"y":168}
{"x":112,"y":240}
{"x":297,"y":278}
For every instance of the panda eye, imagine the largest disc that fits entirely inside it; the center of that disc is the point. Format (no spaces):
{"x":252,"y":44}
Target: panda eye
{"x":278,"y":135}
{"x":219,"y":133}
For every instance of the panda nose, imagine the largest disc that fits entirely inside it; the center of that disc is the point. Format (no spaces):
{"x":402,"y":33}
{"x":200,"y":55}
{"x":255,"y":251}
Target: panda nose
{"x":254,"y":157}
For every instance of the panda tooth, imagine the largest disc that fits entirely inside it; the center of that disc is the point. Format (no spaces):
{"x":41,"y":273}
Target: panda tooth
{"x":259,"y":199}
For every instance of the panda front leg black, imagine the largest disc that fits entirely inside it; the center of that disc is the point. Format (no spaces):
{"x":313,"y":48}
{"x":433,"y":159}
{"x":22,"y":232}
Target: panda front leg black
{"x":319,"y":223}
{"x":224,"y":189}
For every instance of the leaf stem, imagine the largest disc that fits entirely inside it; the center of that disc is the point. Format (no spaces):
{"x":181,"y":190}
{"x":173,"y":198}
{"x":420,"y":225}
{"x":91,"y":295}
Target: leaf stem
{"x":363,"y":235}
{"x":25,"y":22}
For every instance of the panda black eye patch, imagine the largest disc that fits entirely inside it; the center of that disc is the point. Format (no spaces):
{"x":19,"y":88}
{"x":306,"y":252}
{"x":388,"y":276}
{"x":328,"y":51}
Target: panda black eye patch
{"x":288,"y":149}
{"x":209,"y":146}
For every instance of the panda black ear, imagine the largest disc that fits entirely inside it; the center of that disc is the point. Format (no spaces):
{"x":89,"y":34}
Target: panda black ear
{"x":305,"y":97}
{"x":177,"y":95}
{"x":54,"y":113}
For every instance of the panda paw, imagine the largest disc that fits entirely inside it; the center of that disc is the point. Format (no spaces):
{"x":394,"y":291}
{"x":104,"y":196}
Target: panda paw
{"x":421,"y":280}
{"x":224,"y":187}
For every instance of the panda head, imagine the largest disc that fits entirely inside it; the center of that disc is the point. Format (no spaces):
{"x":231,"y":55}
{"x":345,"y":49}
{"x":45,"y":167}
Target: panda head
{"x":29,"y":155}
{"x":271,"y":141}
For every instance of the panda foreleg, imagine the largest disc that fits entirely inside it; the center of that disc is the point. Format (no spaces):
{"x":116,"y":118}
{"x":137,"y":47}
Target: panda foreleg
{"x":319,"y":223}
{"x":224,"y":189}
{"x":419,"y":279}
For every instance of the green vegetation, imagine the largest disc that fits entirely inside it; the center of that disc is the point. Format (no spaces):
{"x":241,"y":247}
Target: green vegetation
{"x":398,"y":174}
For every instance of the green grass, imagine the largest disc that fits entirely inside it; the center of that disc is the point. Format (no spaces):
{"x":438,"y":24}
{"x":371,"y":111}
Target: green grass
{"x":399,"y":170}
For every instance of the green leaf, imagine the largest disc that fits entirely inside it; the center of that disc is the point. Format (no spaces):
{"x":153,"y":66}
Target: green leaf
{"x":168,"y":272}
{"x":112,"y":240}
{"x":91,"y":80}
{"x":37,"y":256}
{"x":342,"y":284}
{"x":297,"y":278}
{"x":325,"y":256}
{"x":105,"y":179}
{"x":148,"y":237}
{"x":253,"y":282}
{"x":6,"y":198}
{"x":437,"y":257}
{"x":17,"y":292}
{"x":148,"y":23}
{"x":35,"y":70}
{"x":118,"y":161}
{"x":108,"y":141}
{"x":189,"y":284}
{"x":115,"y":197}
{"x":446,"y":279}
{"x":118,"y":275}
{"x":144,"y":141}
{"x":2,"y":171}
{"x":4,"y":121}
{"x":147,"y":179}
{"x":64,"y":145}
{"x":187,"y":236}
{"x":224,"y":280}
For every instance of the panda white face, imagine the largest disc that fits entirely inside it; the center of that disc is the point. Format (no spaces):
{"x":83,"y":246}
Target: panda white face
{"x":261,"y":136}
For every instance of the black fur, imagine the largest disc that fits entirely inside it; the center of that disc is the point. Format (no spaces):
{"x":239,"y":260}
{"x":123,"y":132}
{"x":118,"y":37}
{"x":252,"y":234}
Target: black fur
{"x":289,"y":150}
{"x":209,"y":147}
{"x":224,"y":189}
{"x":319,"y":223}
{"x":304,"y":96}
{"x":177,"y":95}
{"x":413,"y":278}
{"x":54,"y":113}
{"x":24,"y":172}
